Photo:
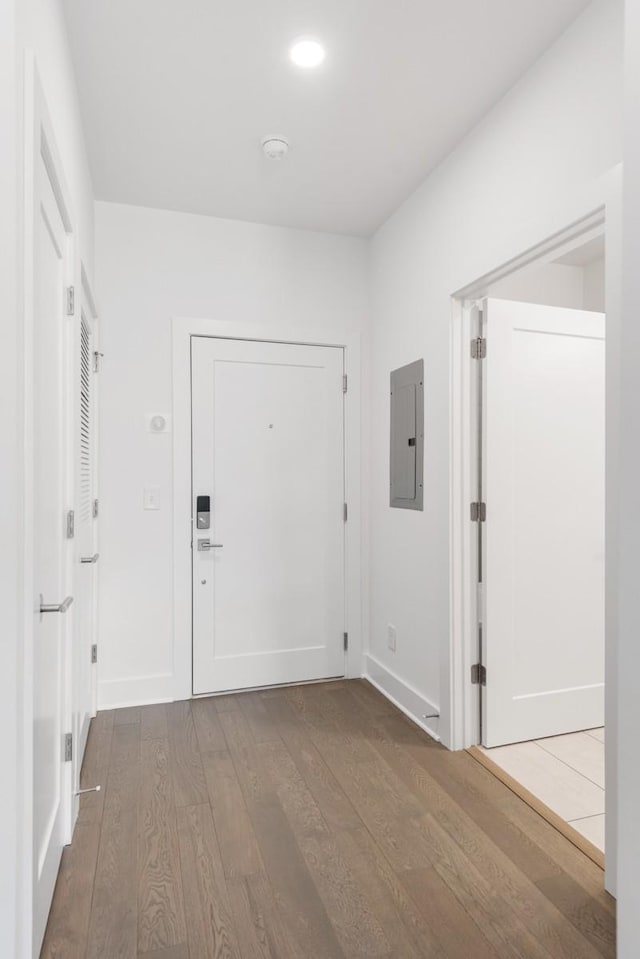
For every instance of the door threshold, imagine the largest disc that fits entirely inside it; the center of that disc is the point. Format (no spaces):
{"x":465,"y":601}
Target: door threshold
{"x":566,"y":829}
{"x":257,"y":689}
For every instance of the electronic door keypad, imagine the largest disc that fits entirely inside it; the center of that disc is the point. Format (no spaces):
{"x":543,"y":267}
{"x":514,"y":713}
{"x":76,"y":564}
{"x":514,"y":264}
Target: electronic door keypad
{"x":203,"y":512}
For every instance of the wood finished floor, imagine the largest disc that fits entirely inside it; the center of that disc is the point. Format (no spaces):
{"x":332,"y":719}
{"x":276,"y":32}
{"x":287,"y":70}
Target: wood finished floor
{"x":313,"y":822}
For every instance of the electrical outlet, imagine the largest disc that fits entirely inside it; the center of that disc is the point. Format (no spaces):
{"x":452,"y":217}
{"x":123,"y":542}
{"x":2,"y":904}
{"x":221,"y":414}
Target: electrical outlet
{"x":391,"y":637}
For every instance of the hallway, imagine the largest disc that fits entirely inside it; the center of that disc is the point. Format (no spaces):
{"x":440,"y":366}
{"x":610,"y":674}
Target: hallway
{"x":310,"y":821}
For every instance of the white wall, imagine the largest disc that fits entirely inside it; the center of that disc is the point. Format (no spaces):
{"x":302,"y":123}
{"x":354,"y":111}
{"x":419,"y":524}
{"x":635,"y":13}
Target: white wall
{"x":536,"y":162}
{"x":153,"y":265}
{"x":553,"y":284}
{"x":628,"y":609}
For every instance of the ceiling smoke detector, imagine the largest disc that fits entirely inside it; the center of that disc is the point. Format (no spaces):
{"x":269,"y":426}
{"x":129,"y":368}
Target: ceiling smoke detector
{"x":276,"y":148}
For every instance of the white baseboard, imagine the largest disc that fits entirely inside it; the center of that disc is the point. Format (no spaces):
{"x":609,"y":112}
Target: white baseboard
{"x":412,"y":703}
{"x":136,"y":691}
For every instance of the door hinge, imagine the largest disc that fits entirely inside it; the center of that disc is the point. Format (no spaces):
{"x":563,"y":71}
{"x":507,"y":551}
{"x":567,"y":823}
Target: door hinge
{"x":97,"y":360}
{"x":345,"y":382}
{"x":71,"y":301}
{"x":346,"y":642}
{"x":95,"y":509}
{"x":478,"y":512}
{"x":70,"y":524}
{"x":94,"y":653}
{"x":478,"y":348}
{"x":479,"y":674}
{"x":68,"y":747}
{"x":345,"y":512}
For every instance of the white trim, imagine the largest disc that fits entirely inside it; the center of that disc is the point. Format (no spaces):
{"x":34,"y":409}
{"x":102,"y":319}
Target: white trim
{"x":591,"y":215}
{"x":183,"y":329}
{"x":462,"y":707}
{"x":406,"y":697}
{"x":136,"y":691}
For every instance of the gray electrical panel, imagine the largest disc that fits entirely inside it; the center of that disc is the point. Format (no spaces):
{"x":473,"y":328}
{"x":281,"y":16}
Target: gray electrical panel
{"x":407,"y":436}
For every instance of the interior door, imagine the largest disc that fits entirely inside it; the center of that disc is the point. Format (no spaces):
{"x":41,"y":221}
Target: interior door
{"x":544,"y":442}
{"x":87,"y":555}
{"x":51,"y":606}
{"x":268,"y":513}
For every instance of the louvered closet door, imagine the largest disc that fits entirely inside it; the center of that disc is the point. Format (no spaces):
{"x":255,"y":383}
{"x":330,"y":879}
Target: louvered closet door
{"x":86,"y":571}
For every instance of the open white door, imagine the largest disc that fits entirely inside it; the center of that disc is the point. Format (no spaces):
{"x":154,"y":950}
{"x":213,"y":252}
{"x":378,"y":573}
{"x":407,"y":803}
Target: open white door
{"x":51,"y":606}
{"x":86,"y":540}
{"x":544,"y":470}
{"x":268,"y":513}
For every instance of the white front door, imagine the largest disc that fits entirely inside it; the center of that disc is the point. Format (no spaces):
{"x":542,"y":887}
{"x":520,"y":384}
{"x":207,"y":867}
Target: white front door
{"x":51,"y":786}
{"x":544,"y":442}
{"x":268,"y":462}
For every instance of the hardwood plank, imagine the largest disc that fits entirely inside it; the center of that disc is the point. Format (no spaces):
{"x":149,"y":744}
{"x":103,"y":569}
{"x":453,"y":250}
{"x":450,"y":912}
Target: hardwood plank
{"x":404,"y":925}
{"x":584,"y":912}
{"x":238,"y":844}
{"x":531,"y":842}
{"x":351,"y":912}
{"x":337,"y":808}
{"x":171,"y":952}
{"x":95,"y":767}
{"x":68,"y":925}
{"x":208,"y":729}
{"x":211,"y":932}
{"x":300,"y":807}
{"x":160,"y":907}
{"x":301,"y":908}
{"x":153,"y":722}
{"x":113,"y":927}
{"x":129,"y":714}
{"x":189,"y":783}
{"x":450,"y":922}
{"x":261,"y":932}
{"x":261,"y":724}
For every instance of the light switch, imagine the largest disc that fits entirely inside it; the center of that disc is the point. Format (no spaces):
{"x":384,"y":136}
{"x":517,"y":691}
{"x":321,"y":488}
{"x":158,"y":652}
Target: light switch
{"x":151,"y":497}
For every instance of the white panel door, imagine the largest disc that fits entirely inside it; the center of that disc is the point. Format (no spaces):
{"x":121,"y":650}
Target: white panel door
{"x":84,"y":669}
{"x":268,"y":449}
{"x":544,"y":439}
{"x":50,"y":783}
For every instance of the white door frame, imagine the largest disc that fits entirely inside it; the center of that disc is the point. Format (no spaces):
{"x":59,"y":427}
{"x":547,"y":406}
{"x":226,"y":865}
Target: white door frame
{"x":183,"y":329}
{"x":464,"y":703}
{"x":39,"y":140}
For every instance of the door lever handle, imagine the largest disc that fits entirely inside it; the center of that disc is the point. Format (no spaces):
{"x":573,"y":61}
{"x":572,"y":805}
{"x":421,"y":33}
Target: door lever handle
{"x":55,"y":607}
{"x":205,"y":544}
{"x":90,"y":559}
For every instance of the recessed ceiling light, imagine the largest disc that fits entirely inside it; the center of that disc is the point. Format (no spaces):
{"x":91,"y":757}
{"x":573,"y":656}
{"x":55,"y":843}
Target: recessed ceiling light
{"x":307,"y":53}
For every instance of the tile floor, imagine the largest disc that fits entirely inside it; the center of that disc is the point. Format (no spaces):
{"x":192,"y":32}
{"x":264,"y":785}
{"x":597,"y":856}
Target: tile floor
{"x":564,"y":772}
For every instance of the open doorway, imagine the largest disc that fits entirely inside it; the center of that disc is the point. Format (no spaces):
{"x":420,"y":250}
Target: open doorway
{"x":536,"y":441}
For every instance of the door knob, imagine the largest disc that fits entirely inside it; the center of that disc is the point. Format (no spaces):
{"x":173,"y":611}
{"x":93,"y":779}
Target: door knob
{"x":205,"y":544}
{"x":55,"y":607}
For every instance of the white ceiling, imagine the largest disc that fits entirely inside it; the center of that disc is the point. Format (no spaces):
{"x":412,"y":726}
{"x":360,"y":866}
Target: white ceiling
{"x":176,"y":96}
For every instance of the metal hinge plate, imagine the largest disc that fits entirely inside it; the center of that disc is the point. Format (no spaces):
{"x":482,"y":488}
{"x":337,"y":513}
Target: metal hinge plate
{"x":95,"y":509}
{"x":70,"y":524}
{"x":94,"y":653}
{"x":345,"y":383}
{"x":346,"y":642}
{"x":68,"y":747}
{"x":345,"y":512}
{"x":97,"y":357}
{"x":479,"y":674}
{"x":478,"y":348}
{"x":71,"y":301}
{"x":478,"y":512}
